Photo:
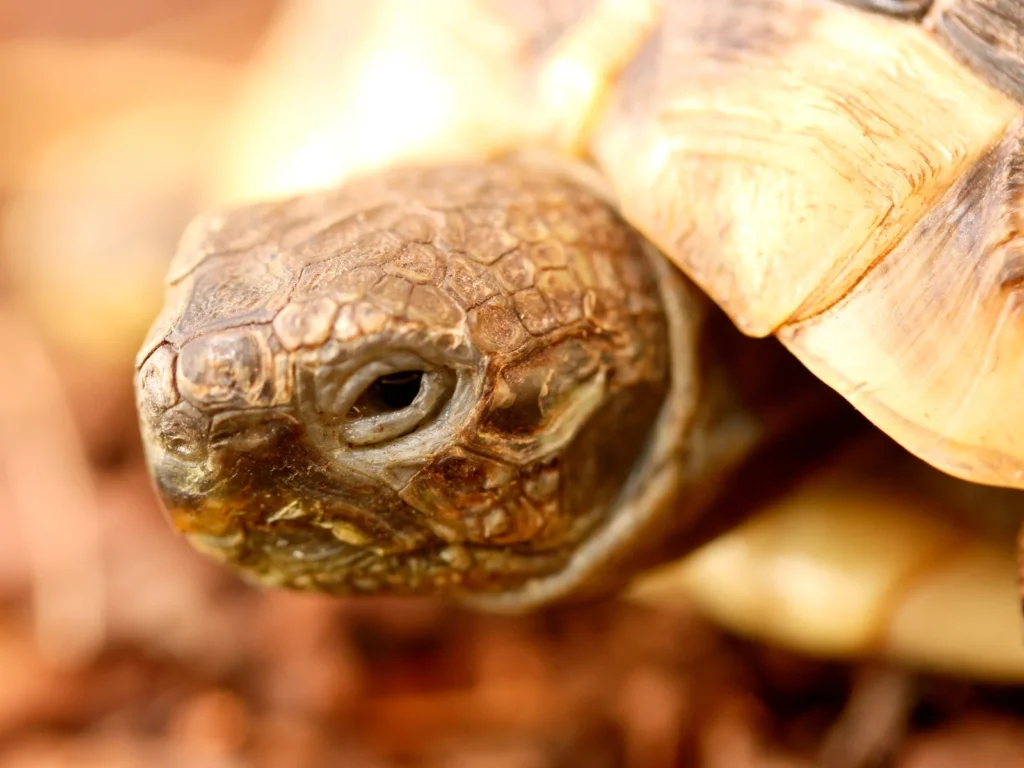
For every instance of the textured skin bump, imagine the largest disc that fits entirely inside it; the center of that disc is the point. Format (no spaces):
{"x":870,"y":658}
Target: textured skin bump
{"x":525,"y":307}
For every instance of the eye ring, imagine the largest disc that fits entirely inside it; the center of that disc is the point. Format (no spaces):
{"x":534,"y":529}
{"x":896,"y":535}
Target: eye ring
{"x":371,"y":415}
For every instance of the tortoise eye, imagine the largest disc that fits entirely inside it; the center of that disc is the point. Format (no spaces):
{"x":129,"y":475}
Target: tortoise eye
{"x":386,"y":403}
{"x":387,"y":394}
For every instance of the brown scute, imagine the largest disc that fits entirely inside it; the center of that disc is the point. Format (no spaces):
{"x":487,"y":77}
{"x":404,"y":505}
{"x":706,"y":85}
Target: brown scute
{"x":333,"y":275}
{"x":775,"y":149}
{"x":548,"y":255}
{"x":563,"y":294}
{"x":909,"y":9}
{"x":221,"y":233}
{"x":182,"y":430}
{"x":988,"y":36}
{"x":369,"y":318}
{"x":462,"y":489}
{"x":157,"y":380}
{"x":940,"y":317}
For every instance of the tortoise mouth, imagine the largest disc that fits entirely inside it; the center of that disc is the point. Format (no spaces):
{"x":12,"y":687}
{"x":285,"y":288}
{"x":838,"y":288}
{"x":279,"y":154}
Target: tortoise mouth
{"x":316,"y":560}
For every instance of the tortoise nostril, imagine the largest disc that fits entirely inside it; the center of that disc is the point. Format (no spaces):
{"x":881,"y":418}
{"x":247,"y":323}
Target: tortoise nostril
{"x":387,"y":394}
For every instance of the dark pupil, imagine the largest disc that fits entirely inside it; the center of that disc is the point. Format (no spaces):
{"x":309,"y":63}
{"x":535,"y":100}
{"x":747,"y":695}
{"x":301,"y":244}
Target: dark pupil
{"x":388,"y":393}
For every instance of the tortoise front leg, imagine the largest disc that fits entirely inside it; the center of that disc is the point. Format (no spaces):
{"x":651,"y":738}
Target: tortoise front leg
{"x":881,"y":557}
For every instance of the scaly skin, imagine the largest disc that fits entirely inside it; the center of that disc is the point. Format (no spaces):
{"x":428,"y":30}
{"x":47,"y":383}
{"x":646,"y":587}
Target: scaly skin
{"x":288,"y":436}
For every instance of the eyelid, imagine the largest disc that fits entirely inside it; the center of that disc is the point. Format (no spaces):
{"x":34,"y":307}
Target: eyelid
{"x":338,"y":400}
{"x":435,"y":387}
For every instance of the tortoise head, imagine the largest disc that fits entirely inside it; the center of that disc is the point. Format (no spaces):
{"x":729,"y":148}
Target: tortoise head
{"x":432,"y":380}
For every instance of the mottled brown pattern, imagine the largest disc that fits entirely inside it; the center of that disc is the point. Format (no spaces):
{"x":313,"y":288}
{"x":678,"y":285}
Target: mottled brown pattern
{"x":532,"y":317}
{"x":988,"y":36}
{"x":945,"y":300}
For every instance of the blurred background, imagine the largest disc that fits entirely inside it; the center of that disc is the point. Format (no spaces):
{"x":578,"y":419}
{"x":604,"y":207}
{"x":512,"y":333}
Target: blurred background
{"x":121,"y":647}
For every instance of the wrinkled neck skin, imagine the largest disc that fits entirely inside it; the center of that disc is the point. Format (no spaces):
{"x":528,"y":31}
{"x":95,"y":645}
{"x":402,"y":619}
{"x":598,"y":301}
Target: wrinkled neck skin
{"x":474,"y":381}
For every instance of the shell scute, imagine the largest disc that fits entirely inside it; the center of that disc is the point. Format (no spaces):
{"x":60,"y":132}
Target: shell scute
{"x":774,"y":149}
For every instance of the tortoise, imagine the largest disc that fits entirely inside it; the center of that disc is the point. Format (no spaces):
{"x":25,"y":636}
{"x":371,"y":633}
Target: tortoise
{"x":513,"y":351}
